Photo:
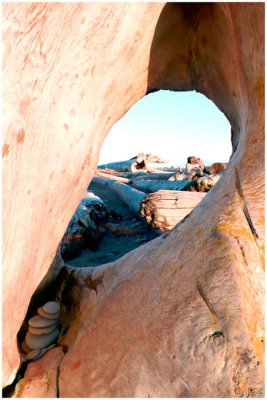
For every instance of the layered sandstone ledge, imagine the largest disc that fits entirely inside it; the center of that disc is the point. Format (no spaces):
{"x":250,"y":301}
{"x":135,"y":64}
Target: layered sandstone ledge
{"x":182,"y":315}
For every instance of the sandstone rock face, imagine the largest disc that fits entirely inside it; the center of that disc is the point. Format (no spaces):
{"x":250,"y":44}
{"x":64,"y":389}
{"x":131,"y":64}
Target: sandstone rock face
{"x":182,"y":316}
{"x":40,"y":380}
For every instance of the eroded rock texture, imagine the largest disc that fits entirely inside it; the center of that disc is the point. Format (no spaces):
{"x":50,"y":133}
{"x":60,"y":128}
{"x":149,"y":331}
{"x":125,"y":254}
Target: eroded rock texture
{"x":183,"y":314}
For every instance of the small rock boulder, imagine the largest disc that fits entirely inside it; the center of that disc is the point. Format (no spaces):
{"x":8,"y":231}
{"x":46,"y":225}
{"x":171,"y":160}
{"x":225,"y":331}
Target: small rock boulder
{"x":85,"y":227}
{"x":195,"y":161}
{"x":195,"y":166}
{"x":43,"y":331}
{"x":217,"y":167}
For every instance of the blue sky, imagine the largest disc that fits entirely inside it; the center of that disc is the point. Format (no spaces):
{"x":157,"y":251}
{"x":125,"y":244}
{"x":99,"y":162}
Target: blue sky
{"x":172,"y":125}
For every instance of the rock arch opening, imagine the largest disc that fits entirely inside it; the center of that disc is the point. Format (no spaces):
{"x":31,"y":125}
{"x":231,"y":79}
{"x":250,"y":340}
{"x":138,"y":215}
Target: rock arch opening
{"x":128,"y":197}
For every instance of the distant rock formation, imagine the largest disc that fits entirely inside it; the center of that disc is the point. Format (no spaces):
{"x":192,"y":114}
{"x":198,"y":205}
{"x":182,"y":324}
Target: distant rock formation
{"x":85,"y":227}
{"x":140,"y":162}
{"x":196,"y":161}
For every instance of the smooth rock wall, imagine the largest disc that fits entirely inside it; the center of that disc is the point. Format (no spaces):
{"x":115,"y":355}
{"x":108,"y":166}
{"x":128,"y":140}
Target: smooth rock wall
{"x":182,"y":316}
{"x":70,"y":71}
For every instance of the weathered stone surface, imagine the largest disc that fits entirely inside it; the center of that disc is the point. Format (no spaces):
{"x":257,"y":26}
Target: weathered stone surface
{"x":183,"y":315}
{"x":41,"y":341}
{"x":31,"y":355}
{"x":43,"y":314}
{"x":84,"y":228}
{"x":42,"y":331}
{"x":51,"y":307}
{"x":41,"y":377}
{"x":40,"y":322}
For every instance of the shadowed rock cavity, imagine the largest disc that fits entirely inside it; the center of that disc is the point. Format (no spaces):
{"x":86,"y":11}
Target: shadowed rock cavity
{"x":181,"y":316}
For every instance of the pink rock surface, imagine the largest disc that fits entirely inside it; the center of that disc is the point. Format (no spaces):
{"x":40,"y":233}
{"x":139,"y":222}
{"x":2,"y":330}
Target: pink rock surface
{"x":40,"y":379}
{"x":183,"y":315}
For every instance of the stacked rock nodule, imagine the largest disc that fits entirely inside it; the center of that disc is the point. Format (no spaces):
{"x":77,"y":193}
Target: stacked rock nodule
{"x":43,"y":331}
